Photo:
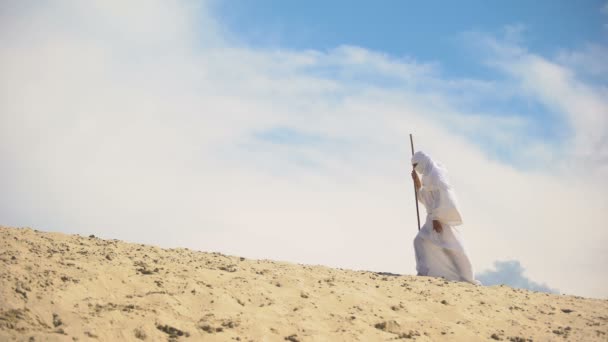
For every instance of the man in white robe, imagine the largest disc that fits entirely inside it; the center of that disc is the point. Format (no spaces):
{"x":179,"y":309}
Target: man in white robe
{"x":439,"y":245}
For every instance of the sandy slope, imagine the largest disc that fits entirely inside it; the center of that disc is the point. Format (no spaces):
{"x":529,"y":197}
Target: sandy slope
{"x":67,"y":287}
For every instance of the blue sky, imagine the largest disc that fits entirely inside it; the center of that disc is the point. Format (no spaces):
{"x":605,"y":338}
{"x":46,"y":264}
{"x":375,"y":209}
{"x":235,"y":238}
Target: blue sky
{"x":422,"y":30}
{"x":434,"y":33}
{"x":279,"y":129}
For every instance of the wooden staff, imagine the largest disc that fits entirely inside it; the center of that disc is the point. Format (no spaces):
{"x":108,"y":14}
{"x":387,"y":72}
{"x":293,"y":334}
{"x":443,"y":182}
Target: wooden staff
{"x":415,"y":192}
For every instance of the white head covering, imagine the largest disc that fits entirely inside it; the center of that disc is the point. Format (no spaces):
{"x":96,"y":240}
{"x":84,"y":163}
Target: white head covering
{"x":434,"y":175}
{"x":435,"y":180}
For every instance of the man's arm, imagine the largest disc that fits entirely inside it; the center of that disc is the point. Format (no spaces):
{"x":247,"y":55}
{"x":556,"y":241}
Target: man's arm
{"x":417,"y":183}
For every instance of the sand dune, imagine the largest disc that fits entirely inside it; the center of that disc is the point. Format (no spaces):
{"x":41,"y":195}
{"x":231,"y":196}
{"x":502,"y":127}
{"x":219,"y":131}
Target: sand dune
{"x":68,"y":287}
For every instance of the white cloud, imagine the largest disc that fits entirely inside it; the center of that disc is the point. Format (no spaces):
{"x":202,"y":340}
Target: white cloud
{"x":514,"y":33}
{"x":511,"y":272}
{"x":590,"y":60}
{"x":559,"y":87}
{"x":141,"y":125}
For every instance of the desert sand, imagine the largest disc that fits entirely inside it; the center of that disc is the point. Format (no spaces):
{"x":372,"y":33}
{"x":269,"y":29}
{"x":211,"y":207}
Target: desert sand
{"x":74,"y":288}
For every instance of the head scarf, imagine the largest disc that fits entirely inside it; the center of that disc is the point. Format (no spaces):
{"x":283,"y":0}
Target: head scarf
{"x":434,"y":175}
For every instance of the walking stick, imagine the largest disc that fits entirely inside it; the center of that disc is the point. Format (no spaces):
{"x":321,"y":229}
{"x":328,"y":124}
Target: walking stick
{"x":415,"y":192}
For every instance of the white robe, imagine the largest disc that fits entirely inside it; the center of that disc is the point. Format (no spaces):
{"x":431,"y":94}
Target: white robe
{"x":441,"y":254}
